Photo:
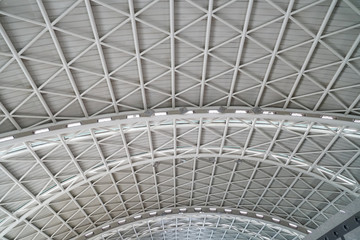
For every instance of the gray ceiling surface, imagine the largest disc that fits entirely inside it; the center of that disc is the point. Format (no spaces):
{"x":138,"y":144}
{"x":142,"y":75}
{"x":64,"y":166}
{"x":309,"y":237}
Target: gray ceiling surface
{"x":177,"y":119}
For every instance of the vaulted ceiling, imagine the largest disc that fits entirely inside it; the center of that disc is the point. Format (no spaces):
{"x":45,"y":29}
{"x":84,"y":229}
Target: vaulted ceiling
{"x":173,"y":119}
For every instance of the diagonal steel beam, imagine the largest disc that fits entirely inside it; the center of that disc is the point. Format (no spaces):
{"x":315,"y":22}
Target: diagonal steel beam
{"x":8,"y":116}
{"x":26,"y":72}
{"x":337,"y":73}
{"x":206,"y":51}
{"x":32,"y":196}
{"x":33,"y":40}
{"x":278,"y":168}
{"x":26,"y":221}
{"x":125,"y":143}
{"x":138,"y":53}
{"x":83,"y":176}
{"x":274,"y":52}
{"x":311,"y":51}
{"x":223,"y":139}
{"x":53,"y":178}
{"x":242,"y":155}
{"x":240,"y":51}
{"x":101,"y":54}
{"x":107,"y":169}
{"x":61,"y":55}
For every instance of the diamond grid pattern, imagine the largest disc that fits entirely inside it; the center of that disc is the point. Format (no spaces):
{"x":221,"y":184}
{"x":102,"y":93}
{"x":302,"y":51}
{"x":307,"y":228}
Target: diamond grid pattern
{"x":94,"y":57}
{"x":85,"y":179}
{"x":74,"y":60}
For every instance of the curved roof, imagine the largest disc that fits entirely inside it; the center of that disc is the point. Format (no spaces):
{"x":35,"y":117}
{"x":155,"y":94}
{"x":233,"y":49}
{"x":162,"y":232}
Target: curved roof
{"x":200,"y":224}
{"x":245,"y":111}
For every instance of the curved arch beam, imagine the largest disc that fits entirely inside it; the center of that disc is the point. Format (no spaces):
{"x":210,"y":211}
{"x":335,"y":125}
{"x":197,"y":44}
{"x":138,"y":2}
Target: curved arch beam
{"x":241,"y":231}
{"x":193,"y":211}
{"x":122,"y":118}
{"x":308,"y":166}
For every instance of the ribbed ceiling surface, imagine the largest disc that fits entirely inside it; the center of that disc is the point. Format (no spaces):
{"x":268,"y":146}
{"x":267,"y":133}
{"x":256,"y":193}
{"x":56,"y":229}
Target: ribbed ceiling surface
{"x":80,"y":61}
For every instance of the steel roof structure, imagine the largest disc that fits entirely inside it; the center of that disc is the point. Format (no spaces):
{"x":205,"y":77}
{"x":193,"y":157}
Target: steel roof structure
{"x":177,"y":119}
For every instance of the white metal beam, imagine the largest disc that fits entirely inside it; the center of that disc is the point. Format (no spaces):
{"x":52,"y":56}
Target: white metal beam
{"x":337,"y":73}
{"x":101,"y":54}
{"x":49,"y":27}
{"x":240,"y":51}
{"x":311,"y":51}
{"x":107,"y":169}
{"x":125,"y":143}
{"x":172,"y":52}
{"x":26,"y":72}
{"x":27,"y":223}
{"x":138,"y":53}
{"x":206,"y":50}
{"x":8,"y":116}
{"x":274,"y":52}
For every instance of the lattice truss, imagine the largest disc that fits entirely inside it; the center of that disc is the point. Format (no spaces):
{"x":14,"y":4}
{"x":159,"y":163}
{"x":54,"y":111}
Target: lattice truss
{"x":73,"y":60}
{"x":64,"y":185}
{"x":61,"y":60}
{"x":201,"y":226}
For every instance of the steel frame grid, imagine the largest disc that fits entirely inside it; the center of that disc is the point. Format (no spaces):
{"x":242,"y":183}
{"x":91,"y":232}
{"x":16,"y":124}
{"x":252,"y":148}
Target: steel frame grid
{"x":200,"y":151}
{"x":194,"y":150}
{"x":142,"y":87}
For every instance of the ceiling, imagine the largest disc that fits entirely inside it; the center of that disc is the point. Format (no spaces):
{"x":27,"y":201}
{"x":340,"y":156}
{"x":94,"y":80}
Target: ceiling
{"x":177,"y":119}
